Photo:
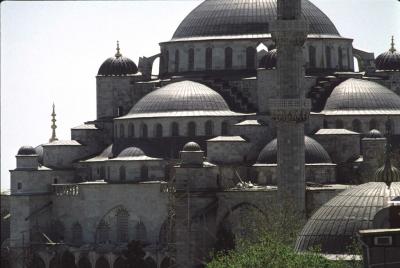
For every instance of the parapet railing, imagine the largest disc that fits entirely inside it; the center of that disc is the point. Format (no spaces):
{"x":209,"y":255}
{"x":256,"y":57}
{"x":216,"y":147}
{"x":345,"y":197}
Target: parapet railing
{"x":66,"y":189}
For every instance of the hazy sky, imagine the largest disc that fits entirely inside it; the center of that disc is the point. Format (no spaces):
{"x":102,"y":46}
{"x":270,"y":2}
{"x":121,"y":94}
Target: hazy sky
{"x":51,"y":52}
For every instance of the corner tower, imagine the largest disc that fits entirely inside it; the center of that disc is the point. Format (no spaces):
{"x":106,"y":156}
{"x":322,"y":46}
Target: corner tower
{"x":290,"y":109}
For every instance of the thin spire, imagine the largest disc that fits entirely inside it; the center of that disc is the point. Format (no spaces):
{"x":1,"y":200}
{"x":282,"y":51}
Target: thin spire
{"x":118,"y":54}
{"x":53,"y":125}
{"x":392,"y":49}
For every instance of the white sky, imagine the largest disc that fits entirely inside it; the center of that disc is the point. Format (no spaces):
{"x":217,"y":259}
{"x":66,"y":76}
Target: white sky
{"x":51,"y":51}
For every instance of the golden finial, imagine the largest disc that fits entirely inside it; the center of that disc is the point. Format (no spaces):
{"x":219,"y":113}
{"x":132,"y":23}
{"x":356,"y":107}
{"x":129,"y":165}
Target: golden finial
{"x":118,"y":54}
{"x":392,"y":49}
{"x":53,"y":125}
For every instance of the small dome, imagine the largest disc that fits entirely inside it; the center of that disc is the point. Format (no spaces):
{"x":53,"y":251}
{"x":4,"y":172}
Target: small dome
{"x":334,"y":226}
{"x":389,"y":60}
{"x":355,"y":96}
{"x":314,"y":152}
{"x":268,"y":61}
{"x":185,"y":96}
{"x":131,"y":152}
{"x":27,"y":150}
{"x":191,"y":147}
{"x":117,"y":65}
{"x":387,"y":174}
{"x":374,"y":134}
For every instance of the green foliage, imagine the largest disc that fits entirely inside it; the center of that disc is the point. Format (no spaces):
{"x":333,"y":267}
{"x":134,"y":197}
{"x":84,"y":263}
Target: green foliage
{"x":269,"y":252}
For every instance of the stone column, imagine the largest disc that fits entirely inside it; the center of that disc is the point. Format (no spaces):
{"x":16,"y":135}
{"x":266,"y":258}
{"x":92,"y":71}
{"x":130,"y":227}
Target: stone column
{"x":290,"y":109}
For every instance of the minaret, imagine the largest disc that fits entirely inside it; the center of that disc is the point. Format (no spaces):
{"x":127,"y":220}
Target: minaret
{"x":392,"y":49}
{"x":53,"y":125}
{"x":290,"y":109}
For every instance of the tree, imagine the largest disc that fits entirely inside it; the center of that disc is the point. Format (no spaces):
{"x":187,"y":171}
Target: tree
{"x":134,"y":254}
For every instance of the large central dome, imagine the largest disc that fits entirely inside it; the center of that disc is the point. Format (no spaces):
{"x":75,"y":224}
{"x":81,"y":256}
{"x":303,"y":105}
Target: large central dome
{"x":245,"y":17}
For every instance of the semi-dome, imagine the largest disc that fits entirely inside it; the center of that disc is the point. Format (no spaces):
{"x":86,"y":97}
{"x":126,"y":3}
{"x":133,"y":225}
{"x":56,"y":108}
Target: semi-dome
{"x":26,"y":150}
{"x":118,"y":65}
{"x":191,"y":147}
{"x":245,"y":18}
{"x":389,"y":60}
{"x":184,"y":98}
{"x":269,"y":60}
{"x":131,"y":152}
{"x":334,"y":227}
{"x":314,"y":152}
{"x":357,"y":96}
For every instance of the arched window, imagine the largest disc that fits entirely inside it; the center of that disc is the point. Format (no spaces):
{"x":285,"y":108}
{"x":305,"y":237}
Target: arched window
{"x":103,"y":232}
{"x":340,"y":58}
{"x":102,"y":173}
{"x":144,"y":132}
{"x":209,"y":128}
{"x":102,"y":263}
{"x":228,"y":58}
{"x":159,"y":131}
{"x":224,"y":128}
{"x":373,"y":124}
{"x":390,"y":126}
{"x":209,"y":55}
{"x":76,"y":234}
{"x":356,"y":125}
{"x":313,"y":57}
{"x":131,"y":130}
{"x":122,"y":225}
{"x":122,"y":173}
{"x":141,"y":233}
{"x":115,"y":130}
{"x":176,"y":61}
{"x":251,"y":57}
{"x":120,"y":263}
{"x":57,"y":231}
{"x":328,"y":57}
{"x":191,"y":59}
{"x":167,"y":60}
{"x":174,"y":129}
{"x":339,"y":123}
{"x":144,"y":172}
{"x":120,"y":111}
{"x":68,"y":260}
{"x":121,"y":131}
{"x":325,"y":124}
{"x":84,"y":263}
{"x":191,"y":129}
{"x":108,"y":172}
{"x":19,"y":186}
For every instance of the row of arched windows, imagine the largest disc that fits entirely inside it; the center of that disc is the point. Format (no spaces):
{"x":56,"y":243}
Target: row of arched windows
{"x":312,"y":54}
{"x":356,"y":124}
{"x":144,"y":173}
{"x":67,"y":260}
{"x":174,"y":130}
{"x":251,"y":54}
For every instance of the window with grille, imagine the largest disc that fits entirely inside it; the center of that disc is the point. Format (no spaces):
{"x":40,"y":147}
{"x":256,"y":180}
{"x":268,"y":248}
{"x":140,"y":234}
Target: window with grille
{"x":122,"y":225}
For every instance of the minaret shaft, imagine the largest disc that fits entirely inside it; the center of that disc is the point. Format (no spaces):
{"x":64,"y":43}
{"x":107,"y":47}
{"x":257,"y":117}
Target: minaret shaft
{"x":290,"y":109}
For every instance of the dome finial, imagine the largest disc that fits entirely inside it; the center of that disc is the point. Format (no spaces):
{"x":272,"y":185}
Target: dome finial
{"x":392,"y":49}
{"x":118,"y":54}
{"x":53,"y":125}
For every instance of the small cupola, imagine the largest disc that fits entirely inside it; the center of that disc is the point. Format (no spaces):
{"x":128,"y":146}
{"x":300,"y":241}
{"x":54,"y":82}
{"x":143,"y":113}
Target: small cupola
{"x":192,"y":155}
{"x":118,"y":65}
{"x":27,"y":158}
{"x":389,"y":60}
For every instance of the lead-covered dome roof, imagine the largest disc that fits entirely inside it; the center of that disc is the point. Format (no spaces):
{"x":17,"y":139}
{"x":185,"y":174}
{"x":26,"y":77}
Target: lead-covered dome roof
{"x":357,"y":96}
{"x":269,"y":60}
{"x":245,"y":17}
{"x":185,"y":98}
{"x":389,"y":60}
{"x":314,"y":152}
{"x":117,"y":66}
{"x":26,"y":150}
{"x":131,"y":152}
{"x":334,"y":226}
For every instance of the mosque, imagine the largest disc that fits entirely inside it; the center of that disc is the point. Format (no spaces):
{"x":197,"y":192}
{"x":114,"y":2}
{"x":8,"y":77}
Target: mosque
{"x":178,"y":159}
